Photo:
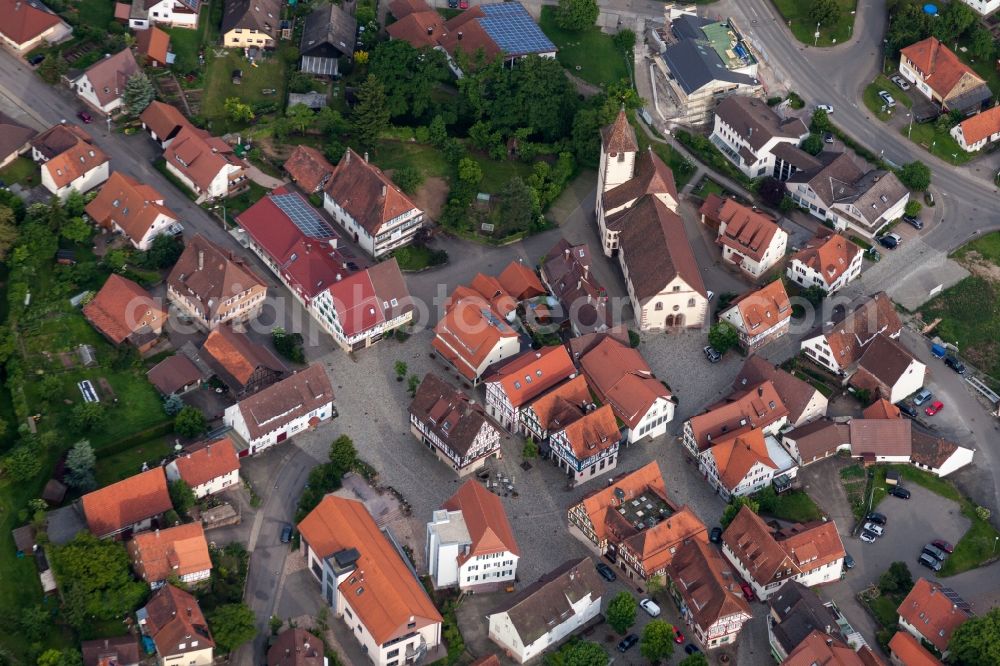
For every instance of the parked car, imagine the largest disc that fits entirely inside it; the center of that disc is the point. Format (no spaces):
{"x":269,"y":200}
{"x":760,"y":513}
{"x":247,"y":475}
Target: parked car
{"x":650,"y":607}
{"x":887,"y":98}
{"x":954,"y":364}
{"x":678,"y":636}
{"x":824,"y":107}
{"x":712,"y":355}
{"x":900,"y":81}
{"x":627,"y":643}
{"x":922,"y":396}
{"x":452,"y":4}
{"x":848,"y":561}
{"x":929,"y":198}
{"x":868,"y":537}
{"x":877,"y":530}
{"x":907,"y":409}
{"x":935,"y":552}
{"x":709,"y":295}
{"x":827,"y":137}
{"x":934,"y":408}
{"x":943,"y":545}
{"x":36,"y":60}
{"x":929,"y":562}
{"x":876,"y":517}
{"x":874,"y":254}
{"x":888,"y":242}
{"x":85,"y":117}
{"x":747,"y":591}
{"x":463,"y":4}
{"x":286,"y":533}
{"x":607,"y":573}
{"x":715,"y":536}
{"x":913,"y":221}
{"x":900,"y":492}
{"x":691,"y":648}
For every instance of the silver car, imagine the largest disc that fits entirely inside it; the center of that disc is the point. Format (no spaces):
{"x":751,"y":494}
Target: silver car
{"x":922,"y":396}
{"x":868,"y":537}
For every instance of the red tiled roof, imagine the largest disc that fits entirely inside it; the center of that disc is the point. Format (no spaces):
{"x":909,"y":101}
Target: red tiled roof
{"x":413,"y":27}
{"x":620,"y":376}
{"x":981,"y":126}
{"x":468,"y":332}
{"x":287,"y":400}
{"x":794,"y":392}
{"x":108,"y":76}
{"x":296,"y":647}
{"x":881,"y":409}
{"x":909,"y":652}
{"x":762,"y":309}
{"x":24,"y":20}
{"x":819,"y":648}
{"x":619,"y":136}
{"x":654,"y":547}
{"x":593,"y":432}
{"x":880,"y":437}
{"x":520,"y":281}
{"x":485,"y":519}
{"x":208,"y":276}
{"x":707,"y":583}
{"x":127,"y":502}
{"x":309,"y":168}
{"x":173,"y":618}
{"x":75,"y":161}
{"x":163,"y":119}
{"x":934,"y":614}
{"x":748,"y":231}
{"x":367,"y":194}
{"x":122,"y":308}
{"x":200,"y":157}
{"x":173,"y":373}
{"x":236,"y":358}
{"x":402,"y":8}
{"x":13,"y":136}
{"x":208,"y":462}
{"x":153,"y":43}
{"x":757,"y":407}
{"x":529,"y":375}
{"x":940,"y":67}
{"x":828,"y":254}
{"x":370,"y":297}
{"x":449,"y":414}
{"x":849,"y":338}
{"x":175,"y":551}
{"x":121,"y":649}
{"x":132,"y":206}
{"x":651,"y":176}
{"x":601,"y":504}
{"x":736,"y":456}
{"x":563,"y":404}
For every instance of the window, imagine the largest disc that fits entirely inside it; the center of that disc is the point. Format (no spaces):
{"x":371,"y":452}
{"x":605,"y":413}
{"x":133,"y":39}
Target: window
{"x":659,"y":306}
{"x":690,"y":302}
{"x":677,"y":287}
{"x":392,"y":653}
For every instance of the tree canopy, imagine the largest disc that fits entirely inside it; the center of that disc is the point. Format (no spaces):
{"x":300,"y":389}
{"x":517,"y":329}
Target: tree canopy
{"x":576,"y":14}
{"x":371,"y":113}
{"x":189,"y":422}
{"x":232,"y":626}
{"x":657,"y":642}
{"x":80,"y":463}
{"x":916,"y":175}
{"x":139,"y":93}
{"x":734,"y":507}
{"x":723,"y":336}
{"x":578,"y":653}
{"x":409,"y":75}
{"x":621,"y":612}
{"x":977,"y":641}
{"x":824,"y":12}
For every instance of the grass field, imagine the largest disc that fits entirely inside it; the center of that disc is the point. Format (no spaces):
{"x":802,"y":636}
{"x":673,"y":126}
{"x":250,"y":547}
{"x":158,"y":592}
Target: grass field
{"x":96,"y":13}
{"x":682,"y":169}
{"x":937,"y":142}
{"x":875,"y":103}
{"x":219,"y":86}
{"x":589,"y":54}
{"x":118,"y":466}
{"x":796,"y":14}
{"x":792,"y":505}
{"x":708,"y":186}
{"x":432,"y":163}
{"x":22,"y":171}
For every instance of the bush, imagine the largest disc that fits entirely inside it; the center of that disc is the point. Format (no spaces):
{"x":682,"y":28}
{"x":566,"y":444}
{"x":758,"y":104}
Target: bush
{"x":913,"y":208}
{"x":795,"y":101}
{"x":288,"y":345}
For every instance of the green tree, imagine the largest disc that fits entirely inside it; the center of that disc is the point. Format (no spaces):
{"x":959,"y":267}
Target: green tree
{"x":469,"y":171}
{"x":530,"y":450}
{"x":621,"y":612}
{"x":401,"y":369}
{"x":576,"y":14}
{"x":976,"y":642}
{"x":76,"y":230}
{"x":734,"y":507}
{"x":723,"y":336}
{"x":916,"y":175}
{"x":412,"y":384}
{"x":408,"y":178}
{"x":824,"y":12}
{"x":896,"y":580}
{"x":8,"y":231}
{"x":624,"y":41}
{"x":66,"y":657}
{"x":578,"y":652}
{"x":238,"y":111}
{"x":814,"y":294}
{"x":53,"y":67}
{"x":913,"y":208}
{"x":87,"y":416}
{"x":22,"y":463}
{"x":981,"y":44}
{"x":518,"y":209}
{"x":96,"y":580}
{"x":437,"y":131}
{"x":80,"y":464}
{"x":953,"y":21}
{"x":164,"y":251}
{"x":173,"y":404}
{"x":75,"y":204}
{"x":370,"y":116}
{"x":772,"y":191}
{"x":410,"y":76}
{"x":232,"y":626}
{"x":813,"y":144}
{"x":189,"y":422}
{"x":182,"y":496}
{"x":301,"y":117}
{"x":657,"y":642}
{"x":34,"y":622}
{"x":139,"y":93}
{"x":289,"y":345}
{"x":696,"y":659}
{"x":820,"y":122}
{"x":343,"y":456}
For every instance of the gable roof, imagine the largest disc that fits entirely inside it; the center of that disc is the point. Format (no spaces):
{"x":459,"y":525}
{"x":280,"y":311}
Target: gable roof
{"x":929,"y":450}
{"x":934,"y":611}
{"x":655,"y":546}
{"x":175,"y":551}
{"x":798,"y":612}
{"x":908,"y":650}
{"x":756,"y":122}
{"x":735,"y":456}
{"x":260,"y":15}
{"x":520,"y":281}
{"x":119,"y":307}
{"x":819,"y":438}
{"x":283,"y":402}
{"x":527,"y":376}
{"x":651,"y":176}
{"x":111,"y":651}
{"x":485,"y":519}
{"x":108,"y":76}
{"x":548,"y":602}
{"x":941,"y":69}
{"x":827,"y":253}
{"x":748,"y":230}
{"x":795,"y":393}
{"x":296,"y":647}
{"x":207,"y":462}
{"x":208,"y":276}
{"x":13,"y":134}
{"x":834,"y":179}
{"x":981,"y":126}
{"x":619,"y":136}
{"x":173,"y":373}
{"x":420,"y":27}
{"x":498,"y":28}
{"x":388,"y":596}
{"x":820,"y":648}
{"x":566,"y":269}
{"x":593,"y":432}
{"x":755,"y":407}
{"x":849,"y":337}
{"x":126,"y":502}
{"x":620,"y":376}
{"x":562,"y":405}
{"x":885,"y":359}
{"x":233,"y":356}
{"x":367,"y":194}
{"x":600,"y":504}
{"x":880,"y":437}
{"x":70,"y":151}
{"x":25,"y":20}
{"x":370,"y":297}
{"x":153,"y":43}
{"x":59,"y":138}
{"x":707,"y":583}
{"x":200,"y":156}
{"x":402,"y":8}
{"x":173,"y":617}
{"x":128,"y":204}
{"x":881,"y":409}
{"x":329,"y":25}
{"x":163,"y":119}
{"x":468,"y":332}
{"x":694,"y":64}
{"x":448,"y":413}
{"x":309,"y":168}
{"x":762,"y":309}
{"x":655,"y":248}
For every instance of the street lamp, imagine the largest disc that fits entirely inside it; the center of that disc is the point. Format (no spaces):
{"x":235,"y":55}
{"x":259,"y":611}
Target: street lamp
{"x":995,"y":539}
{"x":816,"y":35}
{"x":910,"y":128}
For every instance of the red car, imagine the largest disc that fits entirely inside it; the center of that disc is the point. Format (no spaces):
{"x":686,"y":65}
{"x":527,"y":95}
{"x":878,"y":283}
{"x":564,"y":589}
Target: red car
{"x":85,"y":117}
{"x":943,"y":545}
{"x":678,"y":636}
{"x":934,"y":408}
{"x":747,"y":591}
{"x":463,"y":4}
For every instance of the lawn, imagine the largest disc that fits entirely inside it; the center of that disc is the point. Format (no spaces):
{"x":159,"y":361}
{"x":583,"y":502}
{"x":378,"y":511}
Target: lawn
{"x":118,"y":466}
{"x":431,"y":162}
{"x":796,"y":15}
{"x":970,"y":317}
{"x":987,"y":247}
{"x":496,"y":174}
{"x":682,"y":169}
{"x":937,"y":142}
{"x":589,"y":54}
{"x":22,"y":171}
{"x":793,"y":505}
{"x":239,"y":203}
{"x":708,"y":186}
{"x":706,"y":152}
{"x":96,"y":13}
{"x":875,"y":103}
{"x":219,"y":86}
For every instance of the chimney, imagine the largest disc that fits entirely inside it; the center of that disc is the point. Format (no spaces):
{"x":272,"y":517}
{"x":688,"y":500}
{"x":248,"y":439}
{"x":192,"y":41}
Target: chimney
{"x":201,"y":260}
{"x":760,"y":391}
{"x":430,"y":30}
{"x":366,"y":156}
{"x":827,"y":628}
{"x":459,"y":35}
{"x":586,"y":269}
{"x":383,"y":191}
{"x":579,"y":284}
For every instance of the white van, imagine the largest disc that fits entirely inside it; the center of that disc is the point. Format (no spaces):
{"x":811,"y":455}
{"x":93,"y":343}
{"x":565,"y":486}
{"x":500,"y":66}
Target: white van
{"x":650,"y":607}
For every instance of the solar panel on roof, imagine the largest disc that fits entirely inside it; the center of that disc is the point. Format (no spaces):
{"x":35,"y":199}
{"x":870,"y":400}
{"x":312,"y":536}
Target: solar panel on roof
{"x":513,"y":29}
{"x":303,"y":215}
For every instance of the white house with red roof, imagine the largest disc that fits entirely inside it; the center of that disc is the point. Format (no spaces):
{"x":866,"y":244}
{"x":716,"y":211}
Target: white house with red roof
{"x":976,"y":132}
{"x":750,"y":239}
{"x":102,"y":85}
{"x":588,"y":446}
{"x":523,"y":379}
{"x":28,"y":23}
{"x":760,"y":316}
{"x":828,"y":261}
{"x":369,"y":206}
{"x":470,"y":543}
{"x":209,"y":469}
{"x":299,"y":246}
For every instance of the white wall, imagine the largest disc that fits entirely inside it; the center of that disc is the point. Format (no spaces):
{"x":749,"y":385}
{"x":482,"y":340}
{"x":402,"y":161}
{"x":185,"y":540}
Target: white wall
{"x":233,"y":418}
{"x":503,"y":633}
{"x":804,"y":275}
{"x":653,"y":312}
{"x":957,"y":460}
{"x":56,"y":33}
{"x":654,"y":423}
{"x":488,"y":569}
{"x":83,"y":184}
{"x":910,"y":382}
{"x":815,"y":408}
{"x":85,"y":89}
{"x":202,"y":657}
{"x":983,"y":6}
